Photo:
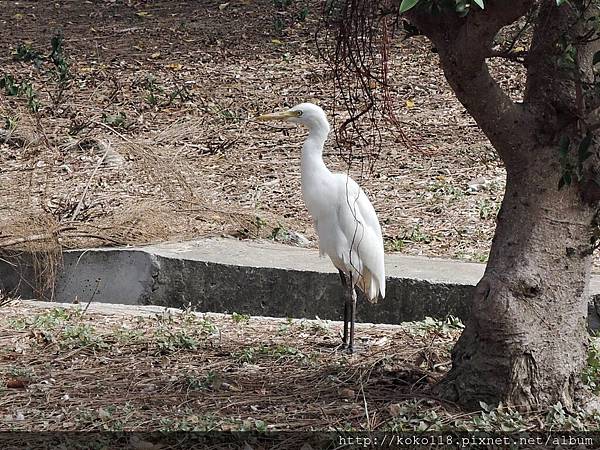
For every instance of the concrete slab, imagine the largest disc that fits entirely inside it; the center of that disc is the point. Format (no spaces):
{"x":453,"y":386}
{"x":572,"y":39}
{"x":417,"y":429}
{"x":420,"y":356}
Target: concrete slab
{"x":260,"y":253}
{"x":253,"y":277}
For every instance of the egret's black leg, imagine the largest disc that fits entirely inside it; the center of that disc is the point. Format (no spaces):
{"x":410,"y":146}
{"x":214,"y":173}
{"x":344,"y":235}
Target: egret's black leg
{"x":346,"y":307}
{"x":342,"y":277}
{"x":352,"y":319}
{"x":346,"y":316}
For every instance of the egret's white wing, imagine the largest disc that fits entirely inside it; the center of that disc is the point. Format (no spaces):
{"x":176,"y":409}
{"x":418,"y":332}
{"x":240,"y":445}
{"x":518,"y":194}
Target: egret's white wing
{"x":321,"y":249}
{"x":359,"y":225}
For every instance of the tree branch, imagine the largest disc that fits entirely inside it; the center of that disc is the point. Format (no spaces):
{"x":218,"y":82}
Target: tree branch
{"x":542,"y":83}
{"x":464,"y":44}
{"x":563,"y":93}
{"x":53,"y":234}
{"x":511,"y":55}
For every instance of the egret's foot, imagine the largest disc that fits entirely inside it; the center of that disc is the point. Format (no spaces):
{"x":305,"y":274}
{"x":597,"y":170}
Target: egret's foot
{"x":345,"y":348}
{"x":341,"y":347}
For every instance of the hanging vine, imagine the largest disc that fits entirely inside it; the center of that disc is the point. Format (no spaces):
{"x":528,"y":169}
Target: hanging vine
{"x":355,"y":39}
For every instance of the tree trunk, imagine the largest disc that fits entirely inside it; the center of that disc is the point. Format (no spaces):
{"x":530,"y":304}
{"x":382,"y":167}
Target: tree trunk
{"x":525,"y":342}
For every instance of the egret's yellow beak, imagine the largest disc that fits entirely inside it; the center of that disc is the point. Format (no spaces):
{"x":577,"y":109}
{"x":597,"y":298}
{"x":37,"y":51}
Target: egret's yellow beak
{"x":284,"y":115}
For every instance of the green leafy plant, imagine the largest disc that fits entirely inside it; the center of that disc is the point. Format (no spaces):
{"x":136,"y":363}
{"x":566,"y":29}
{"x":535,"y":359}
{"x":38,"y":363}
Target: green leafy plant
{"x":303,"y":14}
{"x":572,"y":165}
{"x":81,"y":335}
{"x":444,"y":188}
{"x":55,"y":65}
{"x":25,"y":53}
{"x":417,"y":235}
{"x":58,"y":58}
{"x":407,"y":4}
{"x":181,"y":93}
{"x":481,"y":257}
{"x":168,"y":341}
{"x":501,"y":418}
{"x":169,"y":337}
{"x":48,"y":320}
{"x":25,"y":373}
{"x":412,"y":416}
{"x":191,"y":381}
{"x":591,"y":373}
{"x":259,"y":223}
{"x":558,"y":417}
{"x":10,"y":123}
{"x":61,"y":71}
{"x":285,"y":16}
{"x":440,"y":326}
{"x":487,"y":209}
{"x":156,"y":95}
{"x":252,"y":354}
{"x":278,"y":232}
{"x":118,"y":120}
{"x":240,"y":318}
{"x":153,"y":91}
{"x":462,"y":7}
{"x":395,"y":244}
{"x":23,"y":89}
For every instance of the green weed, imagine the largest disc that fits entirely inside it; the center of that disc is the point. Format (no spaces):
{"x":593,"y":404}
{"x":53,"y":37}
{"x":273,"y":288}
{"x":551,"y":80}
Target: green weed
{"x":240,"y":318}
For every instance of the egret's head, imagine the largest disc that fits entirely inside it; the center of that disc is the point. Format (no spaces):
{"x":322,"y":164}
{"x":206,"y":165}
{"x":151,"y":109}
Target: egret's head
{"x":305,"y":114}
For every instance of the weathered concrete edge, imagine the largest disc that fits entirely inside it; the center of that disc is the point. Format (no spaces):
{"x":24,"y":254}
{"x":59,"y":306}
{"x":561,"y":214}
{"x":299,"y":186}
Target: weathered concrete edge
{"x":270,"y":280}
{"x":116,"y":309}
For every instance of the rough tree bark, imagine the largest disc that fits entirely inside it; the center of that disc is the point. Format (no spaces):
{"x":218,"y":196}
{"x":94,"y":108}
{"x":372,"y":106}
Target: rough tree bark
{"x":525,"y":342}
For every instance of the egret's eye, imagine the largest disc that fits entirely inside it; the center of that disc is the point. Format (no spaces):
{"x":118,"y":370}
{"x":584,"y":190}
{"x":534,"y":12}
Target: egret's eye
{"x":298,"y":113}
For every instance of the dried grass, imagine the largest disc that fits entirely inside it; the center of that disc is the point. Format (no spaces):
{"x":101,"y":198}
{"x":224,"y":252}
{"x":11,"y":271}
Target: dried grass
{"x":93,"y":371}
{"x":111,"y":368}
{"x":204,"y":159}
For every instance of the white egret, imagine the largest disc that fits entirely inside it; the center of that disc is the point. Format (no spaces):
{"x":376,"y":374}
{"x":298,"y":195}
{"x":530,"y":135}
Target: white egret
{"x":344,"y":218}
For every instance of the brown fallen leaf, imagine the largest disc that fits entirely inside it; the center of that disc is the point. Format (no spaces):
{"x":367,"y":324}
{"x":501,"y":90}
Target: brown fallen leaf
{"x":174,"y":66}
{"x":16,"y":383}
{"x":395,"y":409}
{"x":346,"y":393}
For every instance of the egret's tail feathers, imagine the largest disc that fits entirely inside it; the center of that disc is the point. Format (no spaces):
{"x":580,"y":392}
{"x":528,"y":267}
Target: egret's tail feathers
{"x":371,"y":286}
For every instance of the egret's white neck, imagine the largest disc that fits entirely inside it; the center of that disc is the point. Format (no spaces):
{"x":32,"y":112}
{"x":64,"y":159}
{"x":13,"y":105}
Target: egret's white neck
{"x":312,"y":151}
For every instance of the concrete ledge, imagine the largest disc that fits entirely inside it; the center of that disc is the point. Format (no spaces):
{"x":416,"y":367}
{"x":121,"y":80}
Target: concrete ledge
{"x":252,"y":277}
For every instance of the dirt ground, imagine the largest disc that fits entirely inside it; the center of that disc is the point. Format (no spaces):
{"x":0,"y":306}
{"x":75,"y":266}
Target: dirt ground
{"x":151,"y":135}
{"x":111,"y":368}
{"x":66,"y":369}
